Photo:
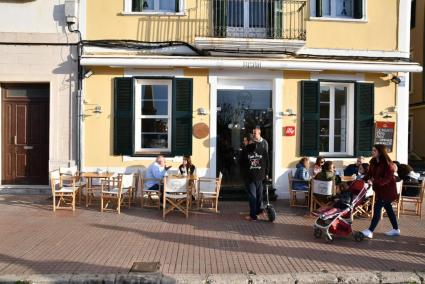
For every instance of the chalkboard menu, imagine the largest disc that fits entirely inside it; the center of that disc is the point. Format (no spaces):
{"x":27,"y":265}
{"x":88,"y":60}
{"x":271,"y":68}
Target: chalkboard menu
{"x":384,"y":134}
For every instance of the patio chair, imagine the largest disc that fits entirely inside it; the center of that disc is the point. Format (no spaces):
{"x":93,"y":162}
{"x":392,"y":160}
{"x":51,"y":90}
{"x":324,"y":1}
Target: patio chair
{"x":417,"y":201}
{"x":63,"y":196}
{"x":150,"y":198}
{"x":208,"y":189}
{"x":366,"y":208}
{"x":321,"y":194}
{"x":117,"y":189}
{"x":73,"y":171}
{"x":176,"y":195}
{"x":293,"y":193}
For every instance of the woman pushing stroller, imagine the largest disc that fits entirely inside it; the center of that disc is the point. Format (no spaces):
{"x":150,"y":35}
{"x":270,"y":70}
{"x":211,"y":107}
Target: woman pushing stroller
{"x":381,"y":176}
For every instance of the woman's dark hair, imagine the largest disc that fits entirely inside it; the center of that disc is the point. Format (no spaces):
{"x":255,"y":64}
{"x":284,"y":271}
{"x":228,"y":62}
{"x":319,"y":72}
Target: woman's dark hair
{"x":365,"y":166}
{"x":327,"y":166}
{"x":188,"y":159}
{"x":318,"y":160}
{"x":383,"y":154}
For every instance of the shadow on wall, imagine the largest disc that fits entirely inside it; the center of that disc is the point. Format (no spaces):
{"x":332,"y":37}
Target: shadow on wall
{"x":185,"y":28}
{"x":59,"y":17}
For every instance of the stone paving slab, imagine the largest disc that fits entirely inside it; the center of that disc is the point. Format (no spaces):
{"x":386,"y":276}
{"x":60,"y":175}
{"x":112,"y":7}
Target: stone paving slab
{"x":35,"y":240}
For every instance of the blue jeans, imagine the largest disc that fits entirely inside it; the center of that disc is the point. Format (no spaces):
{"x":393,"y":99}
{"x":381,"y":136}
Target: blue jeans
{"x":377,"y":209}
{"x":255,"y":196}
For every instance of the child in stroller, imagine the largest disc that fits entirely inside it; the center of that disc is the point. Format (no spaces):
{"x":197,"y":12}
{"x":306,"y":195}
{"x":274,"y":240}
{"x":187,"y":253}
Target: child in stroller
{"x":337,"y":219}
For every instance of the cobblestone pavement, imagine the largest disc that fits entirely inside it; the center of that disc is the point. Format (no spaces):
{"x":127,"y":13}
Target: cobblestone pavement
{"x":34,"y":240}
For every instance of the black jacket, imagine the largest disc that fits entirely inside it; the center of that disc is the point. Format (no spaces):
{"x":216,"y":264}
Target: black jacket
{"x":254,"y":162}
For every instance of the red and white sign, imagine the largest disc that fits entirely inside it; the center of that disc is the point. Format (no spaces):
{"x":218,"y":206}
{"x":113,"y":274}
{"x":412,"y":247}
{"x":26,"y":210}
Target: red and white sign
{"x":289,"y":130}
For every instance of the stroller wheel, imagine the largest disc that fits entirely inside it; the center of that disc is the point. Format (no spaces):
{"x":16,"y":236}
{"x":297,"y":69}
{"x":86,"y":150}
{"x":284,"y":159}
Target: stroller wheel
{"x":358,"y":237}
{"x":317,"y":233}
{"x":329,"y":239}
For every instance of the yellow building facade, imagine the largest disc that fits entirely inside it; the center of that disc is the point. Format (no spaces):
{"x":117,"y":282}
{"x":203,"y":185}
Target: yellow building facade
{"x":194,"y":77}
{"x":417,"y":86}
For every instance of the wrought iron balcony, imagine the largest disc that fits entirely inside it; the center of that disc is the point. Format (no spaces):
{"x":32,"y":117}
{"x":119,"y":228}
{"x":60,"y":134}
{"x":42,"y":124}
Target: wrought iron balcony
{"x":272,"y":19}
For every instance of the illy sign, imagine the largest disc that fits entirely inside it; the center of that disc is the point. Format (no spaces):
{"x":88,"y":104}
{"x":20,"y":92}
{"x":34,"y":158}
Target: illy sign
{"x":289,"y":131}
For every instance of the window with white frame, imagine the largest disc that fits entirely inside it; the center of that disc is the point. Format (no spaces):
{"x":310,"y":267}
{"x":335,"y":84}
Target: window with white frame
{"x":153,"y":116}
{"x":350,"y":9}
{"x":336,"y":118}
{"x":154,"y":5}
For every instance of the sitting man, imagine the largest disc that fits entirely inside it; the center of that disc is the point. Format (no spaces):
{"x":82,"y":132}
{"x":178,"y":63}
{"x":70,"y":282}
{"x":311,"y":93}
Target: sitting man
{"x":353,"y":169}
{"x":157,"y":171}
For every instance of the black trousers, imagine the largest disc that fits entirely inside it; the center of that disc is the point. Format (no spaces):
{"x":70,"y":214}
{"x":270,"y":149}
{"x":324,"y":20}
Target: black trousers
{"x":255,"y":196}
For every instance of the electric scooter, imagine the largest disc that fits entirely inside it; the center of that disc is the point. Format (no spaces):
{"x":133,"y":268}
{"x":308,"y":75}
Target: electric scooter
{"x":271,"y":212}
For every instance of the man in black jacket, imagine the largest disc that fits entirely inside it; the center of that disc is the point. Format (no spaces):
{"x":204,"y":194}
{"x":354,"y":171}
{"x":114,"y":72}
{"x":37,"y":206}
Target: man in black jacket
{"x":254,"y":162}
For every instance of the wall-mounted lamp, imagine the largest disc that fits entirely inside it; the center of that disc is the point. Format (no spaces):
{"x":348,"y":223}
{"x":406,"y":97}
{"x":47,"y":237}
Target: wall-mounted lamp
{"x":202,"y":111}
{"x":385,"y":114}
{"x":97,"y":109}
{"x":395,"y":79}
{"x":88,"y":74}
{"x":288,"y":112}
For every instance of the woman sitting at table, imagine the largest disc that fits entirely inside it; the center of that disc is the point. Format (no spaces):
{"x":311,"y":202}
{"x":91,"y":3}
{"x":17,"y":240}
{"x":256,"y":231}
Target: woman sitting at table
{"x":363,"y":168}
{"x":317,"y":168}
{"x":301,"y":176}
{"x":187,"y":168}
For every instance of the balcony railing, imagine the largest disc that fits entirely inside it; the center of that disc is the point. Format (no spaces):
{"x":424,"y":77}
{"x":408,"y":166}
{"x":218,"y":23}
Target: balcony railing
{"x":274,"y":19}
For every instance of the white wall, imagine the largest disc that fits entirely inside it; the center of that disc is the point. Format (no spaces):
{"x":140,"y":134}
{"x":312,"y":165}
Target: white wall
{"x":32,"y":16}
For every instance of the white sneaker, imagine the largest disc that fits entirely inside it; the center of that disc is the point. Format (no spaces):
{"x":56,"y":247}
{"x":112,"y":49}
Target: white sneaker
{"x":393,"y":233}
{"x":367,"y":233}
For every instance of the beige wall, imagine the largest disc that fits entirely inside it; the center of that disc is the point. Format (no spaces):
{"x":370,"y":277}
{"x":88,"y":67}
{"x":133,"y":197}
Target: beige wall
{"x":98,"y":130}
{"x":384,"y":98}
{"x":417,"y":46}
{"x":99,"y":136}
{"x":53,"y":65}
{"x":379,"y":32}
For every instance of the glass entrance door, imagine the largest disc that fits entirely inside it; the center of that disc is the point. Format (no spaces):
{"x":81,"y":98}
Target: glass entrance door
{"x":238,"y":113}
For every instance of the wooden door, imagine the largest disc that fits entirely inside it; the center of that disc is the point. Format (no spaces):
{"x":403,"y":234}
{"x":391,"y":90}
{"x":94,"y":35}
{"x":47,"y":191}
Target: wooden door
{"x":25,"y":133}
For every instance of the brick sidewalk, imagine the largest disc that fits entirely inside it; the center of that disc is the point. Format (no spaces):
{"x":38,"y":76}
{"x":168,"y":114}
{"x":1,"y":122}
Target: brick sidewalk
{"x":34,"y":240}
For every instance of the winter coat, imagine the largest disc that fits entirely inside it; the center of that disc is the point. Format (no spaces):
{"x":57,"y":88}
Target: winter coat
{"x":384,"y":182}
{"x":301,"y":174}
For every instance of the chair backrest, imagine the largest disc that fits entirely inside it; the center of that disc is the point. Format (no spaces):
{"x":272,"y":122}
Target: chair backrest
{"x":54,"y":177}
{"x":127,"y":180}
{"x":290,"y":177}
{"x":71,"y":171}
{"x":326,"y":188}
{"x":176,"y":184}
{"x":399,"y":186}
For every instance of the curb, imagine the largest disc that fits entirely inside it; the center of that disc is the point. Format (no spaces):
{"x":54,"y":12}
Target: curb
{"x":158,"y":278}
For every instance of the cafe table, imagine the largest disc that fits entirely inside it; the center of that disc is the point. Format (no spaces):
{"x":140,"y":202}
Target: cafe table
{"x":90,"y":188}
{"x":348,"y":179}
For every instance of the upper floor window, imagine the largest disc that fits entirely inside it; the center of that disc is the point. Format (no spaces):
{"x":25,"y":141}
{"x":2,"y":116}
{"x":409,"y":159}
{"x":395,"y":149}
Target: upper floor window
{"x":349,"y":9}
{"x":155,"y":5}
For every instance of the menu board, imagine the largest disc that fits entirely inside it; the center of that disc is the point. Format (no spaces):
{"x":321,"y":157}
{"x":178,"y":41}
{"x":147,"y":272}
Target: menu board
{"x":384,"y":134}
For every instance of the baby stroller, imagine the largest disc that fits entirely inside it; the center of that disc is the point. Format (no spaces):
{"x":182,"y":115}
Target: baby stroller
{"x":337,"y":220}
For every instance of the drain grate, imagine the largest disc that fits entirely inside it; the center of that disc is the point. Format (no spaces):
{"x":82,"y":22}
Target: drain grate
{"x":145,"y":267}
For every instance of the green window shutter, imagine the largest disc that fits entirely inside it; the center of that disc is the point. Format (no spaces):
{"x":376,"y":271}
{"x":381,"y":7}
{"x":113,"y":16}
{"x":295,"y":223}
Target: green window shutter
{"x":177,"y":5}
{"x":182,"y":116}
{"x":364,"y":118}
{"x":358,"y":9}
{"x":310,"y":118}
{"x":319,"y":8}
{"x":123,"y":116}
{"x":137,"y":5}
{"x":220,"y":17}
{"x":275,"y":19}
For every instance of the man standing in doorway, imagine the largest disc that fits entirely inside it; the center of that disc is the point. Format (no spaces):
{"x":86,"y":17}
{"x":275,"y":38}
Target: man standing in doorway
{"x":254,"y":165}
{"x":262,"y":143}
